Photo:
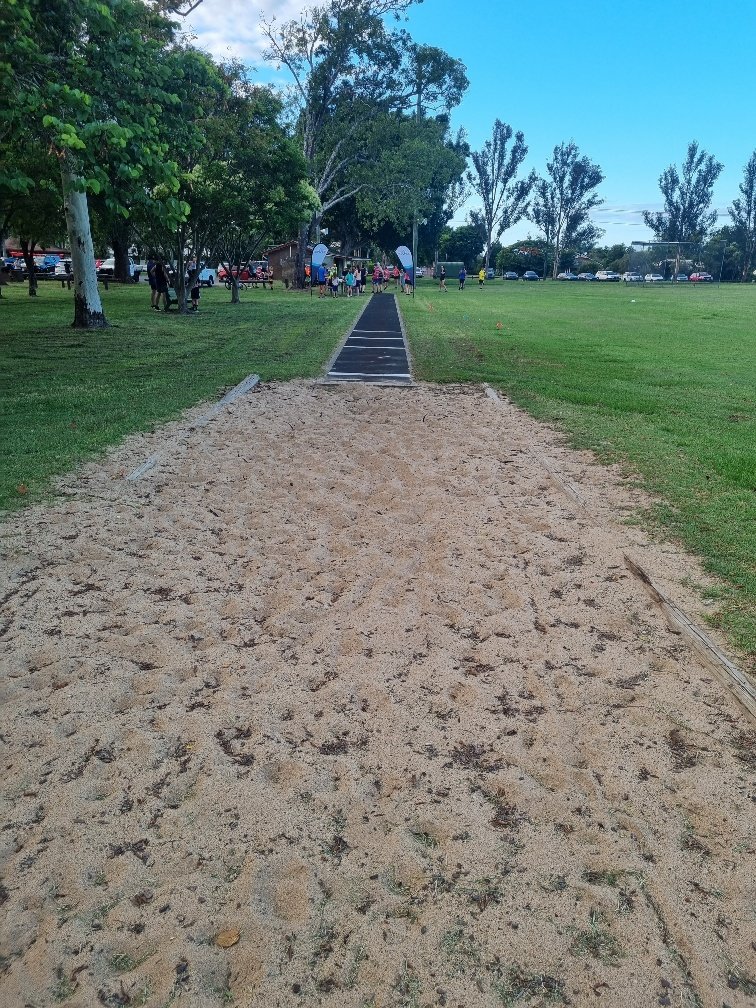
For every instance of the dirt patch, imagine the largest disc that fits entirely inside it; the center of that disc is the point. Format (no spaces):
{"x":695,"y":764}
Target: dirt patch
{"x":348,"y":703}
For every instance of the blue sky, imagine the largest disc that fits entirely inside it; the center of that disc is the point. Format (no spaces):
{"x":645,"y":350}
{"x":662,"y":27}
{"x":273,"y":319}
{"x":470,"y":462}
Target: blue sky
{"x":631,"y":83}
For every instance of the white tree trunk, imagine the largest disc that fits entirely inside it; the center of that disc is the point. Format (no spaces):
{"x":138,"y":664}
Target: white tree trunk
{"x":88,"y":312}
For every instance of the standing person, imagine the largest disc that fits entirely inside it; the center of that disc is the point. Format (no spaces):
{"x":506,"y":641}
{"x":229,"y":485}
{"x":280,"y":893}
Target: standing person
{"x":395,"y":275}
{"x":363,"y":278}
{"x":194,"y":294}
{"x":349,"y":278}
{"x":162,"y":283}
{"x":462,"y":278}
{"x":481,"y":278}
{"x":321,"y":281}
{"x":408,"y":282}
{"x":151,"y":264}
{"x":442,"y":279}
{"x":376,"y":277}
{"x":334,"y":282}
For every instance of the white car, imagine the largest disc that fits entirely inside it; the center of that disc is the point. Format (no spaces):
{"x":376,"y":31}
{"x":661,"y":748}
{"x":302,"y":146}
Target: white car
{"x":632,"y":277}
{"x":107,"y":268}
{"x":608,"y":275}
{"x":419,"y":271}
{"x":63,"y":268}
{"x":654,"y":278}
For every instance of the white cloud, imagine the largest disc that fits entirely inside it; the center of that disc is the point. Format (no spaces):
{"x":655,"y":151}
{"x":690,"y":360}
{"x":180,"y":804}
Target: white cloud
{"x":231,"y":28}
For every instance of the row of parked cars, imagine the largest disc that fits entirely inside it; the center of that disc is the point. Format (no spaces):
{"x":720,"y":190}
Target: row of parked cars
{"x":609,"y":276}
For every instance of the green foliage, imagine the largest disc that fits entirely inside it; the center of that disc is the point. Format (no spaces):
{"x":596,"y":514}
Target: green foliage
{"x":687,"y":197}
{"x":503,"y":196}
{"x":462,"y":244}
{"x":564,"y":199}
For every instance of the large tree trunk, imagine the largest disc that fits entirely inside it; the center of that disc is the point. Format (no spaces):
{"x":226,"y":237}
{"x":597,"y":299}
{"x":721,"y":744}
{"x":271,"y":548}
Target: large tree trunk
{"x":88,"y":312}
{"x":27,"y":248}
{"x":119,"y":241}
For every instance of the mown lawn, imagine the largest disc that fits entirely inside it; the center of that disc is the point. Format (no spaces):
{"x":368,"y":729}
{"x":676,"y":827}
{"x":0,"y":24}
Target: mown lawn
{"x":664,"y":378}
{"x":66,"y":394}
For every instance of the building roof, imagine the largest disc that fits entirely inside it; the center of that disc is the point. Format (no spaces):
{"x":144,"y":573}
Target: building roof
{"x":288,"y":244}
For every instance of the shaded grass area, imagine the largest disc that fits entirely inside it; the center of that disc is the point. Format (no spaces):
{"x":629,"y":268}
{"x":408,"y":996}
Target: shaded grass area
{"x":664,"y":378}
{"x":66,"y":394}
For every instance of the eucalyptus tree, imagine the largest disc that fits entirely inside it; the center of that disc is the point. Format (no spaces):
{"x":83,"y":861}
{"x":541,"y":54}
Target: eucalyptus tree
{"x":504,"y":197}
{"x":347,"y":68}
{"x":687,"y":193}
{"x":564,"y":199}
{"x":743,"y":216}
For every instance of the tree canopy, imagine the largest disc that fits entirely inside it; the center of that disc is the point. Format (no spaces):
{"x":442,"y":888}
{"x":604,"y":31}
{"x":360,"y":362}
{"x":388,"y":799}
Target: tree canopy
{"x":687,"y":194}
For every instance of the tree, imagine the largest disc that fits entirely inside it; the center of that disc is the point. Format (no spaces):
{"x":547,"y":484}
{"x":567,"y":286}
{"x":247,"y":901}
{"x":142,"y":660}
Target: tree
{"x":415,"y":165}
{"x":494,"y":181}
{"x":340,"y":58}
{"x":243,"y":182}
{"x":743,"y":216}
{"x":89,"y":82}
{"x":463,"y":244}
{"x":564,"y":199}
{"x":687,"y":197}
{"x":347,"y":69}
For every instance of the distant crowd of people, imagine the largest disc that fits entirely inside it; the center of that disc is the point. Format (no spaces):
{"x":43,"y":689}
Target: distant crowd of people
{"x":355,"y":279}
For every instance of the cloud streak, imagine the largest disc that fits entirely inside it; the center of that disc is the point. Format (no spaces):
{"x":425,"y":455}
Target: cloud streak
{"x":230,"y":29}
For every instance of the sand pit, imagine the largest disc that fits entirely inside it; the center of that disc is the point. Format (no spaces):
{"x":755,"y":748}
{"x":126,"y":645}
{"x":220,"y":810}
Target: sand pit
{"x":348,"y":703}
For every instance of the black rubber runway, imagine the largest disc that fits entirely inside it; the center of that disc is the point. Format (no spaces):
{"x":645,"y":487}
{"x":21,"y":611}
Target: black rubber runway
{"x":375,"y":350}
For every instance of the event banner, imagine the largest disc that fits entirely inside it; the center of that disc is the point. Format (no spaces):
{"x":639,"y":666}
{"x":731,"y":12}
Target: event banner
{"x":318,"y":254}
{"x":405,"y":257}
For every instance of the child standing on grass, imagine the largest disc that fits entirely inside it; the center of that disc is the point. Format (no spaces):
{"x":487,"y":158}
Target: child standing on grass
{"x":350,"y":282}
{"x":194,"y":294}
{"x":462,"y":278}
{"x":442,"y":279}
{"x":481,"y":278}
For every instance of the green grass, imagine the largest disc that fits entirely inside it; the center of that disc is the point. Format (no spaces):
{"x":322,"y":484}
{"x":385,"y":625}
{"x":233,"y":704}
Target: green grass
{"x":67,"y":394}
{"x":663,"y":378}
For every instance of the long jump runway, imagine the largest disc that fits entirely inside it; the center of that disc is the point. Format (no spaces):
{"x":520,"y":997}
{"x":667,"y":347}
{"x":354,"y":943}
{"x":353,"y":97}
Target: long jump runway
{"x":375,"y":350}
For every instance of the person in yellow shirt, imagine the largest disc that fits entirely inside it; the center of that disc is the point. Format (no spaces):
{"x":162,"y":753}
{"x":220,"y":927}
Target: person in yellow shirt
{"x":481,"y":279}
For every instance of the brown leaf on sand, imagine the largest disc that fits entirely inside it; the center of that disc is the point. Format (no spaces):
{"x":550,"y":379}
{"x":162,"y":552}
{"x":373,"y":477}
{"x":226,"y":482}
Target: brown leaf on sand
{"x":227,"y":938}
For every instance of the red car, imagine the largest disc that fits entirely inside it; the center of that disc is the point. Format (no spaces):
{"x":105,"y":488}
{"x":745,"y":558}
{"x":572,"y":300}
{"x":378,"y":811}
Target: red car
{"x":701,"y":278}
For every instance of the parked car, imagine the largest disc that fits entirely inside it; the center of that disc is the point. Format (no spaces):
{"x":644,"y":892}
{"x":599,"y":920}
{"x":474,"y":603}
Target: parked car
{"x":419,"y":272}
{"x":680,"y":278}
{"x":567,"y":276}
{"x":490,"y":273}
{"x":632,"y":277}
{"x":701,"y":278}
{"x":106,"y":268}
{"x":510,"y":275}
{"x":586,"y":276}
{"x":63,"y":267}
{"x":530,"y":275}
{"x":654,"y":278}
{"x":608,"y":275}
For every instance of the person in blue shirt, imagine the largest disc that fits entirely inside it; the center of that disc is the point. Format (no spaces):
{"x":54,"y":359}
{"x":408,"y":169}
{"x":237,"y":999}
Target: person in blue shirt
{"x":321,"y":281}
{"x":462,"y":278}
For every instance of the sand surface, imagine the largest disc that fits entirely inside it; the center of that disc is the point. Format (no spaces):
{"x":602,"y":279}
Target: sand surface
{"x":348,"y":703}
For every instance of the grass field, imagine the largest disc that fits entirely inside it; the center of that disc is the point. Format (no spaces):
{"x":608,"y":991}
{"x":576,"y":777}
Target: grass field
{"x":664,"y":378}
{"x":66,"y":394}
